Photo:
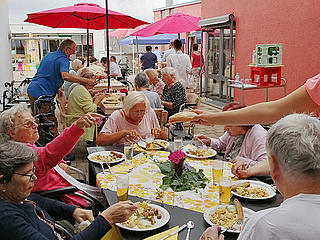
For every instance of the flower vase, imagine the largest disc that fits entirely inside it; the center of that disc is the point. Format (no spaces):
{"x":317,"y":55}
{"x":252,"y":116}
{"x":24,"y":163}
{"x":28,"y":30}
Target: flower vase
{"x":178,"y":167}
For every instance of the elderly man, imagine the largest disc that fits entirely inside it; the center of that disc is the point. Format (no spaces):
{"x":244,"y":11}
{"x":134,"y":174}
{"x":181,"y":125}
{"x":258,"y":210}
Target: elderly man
{"x":294,"y":148}
{"x":181,"y":63}
{"x":52,"y":71}
{"x":115,"y":70}
{"x":141,"y":83}
{"x":75,"y":65}
{"x":168,"y":52}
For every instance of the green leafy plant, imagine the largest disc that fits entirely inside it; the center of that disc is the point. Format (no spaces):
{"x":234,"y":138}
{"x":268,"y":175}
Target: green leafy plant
{"x":189,"y":180}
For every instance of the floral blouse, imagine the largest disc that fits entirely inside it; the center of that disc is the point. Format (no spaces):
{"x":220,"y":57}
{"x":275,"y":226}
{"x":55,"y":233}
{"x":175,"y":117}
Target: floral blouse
{"x":176,"y":94}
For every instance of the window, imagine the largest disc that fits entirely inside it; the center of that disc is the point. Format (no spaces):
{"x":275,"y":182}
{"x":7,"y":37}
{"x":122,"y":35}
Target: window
{"x":171,"y":11}
{"x":163,"y":14}
{"x":219,"y":40}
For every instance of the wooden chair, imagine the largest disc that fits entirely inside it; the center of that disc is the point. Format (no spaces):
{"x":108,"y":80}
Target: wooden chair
{"x":62,"y":106}
{"x":162,"y":116}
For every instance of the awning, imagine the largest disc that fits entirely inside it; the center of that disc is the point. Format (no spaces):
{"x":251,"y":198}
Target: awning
{"x":221,"y":21}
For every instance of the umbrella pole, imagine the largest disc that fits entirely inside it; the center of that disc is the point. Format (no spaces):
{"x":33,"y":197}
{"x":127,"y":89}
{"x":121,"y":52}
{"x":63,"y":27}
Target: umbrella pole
{"x":87,"y":40}
{"x":138,"y":60}
{"x":107,"y":42}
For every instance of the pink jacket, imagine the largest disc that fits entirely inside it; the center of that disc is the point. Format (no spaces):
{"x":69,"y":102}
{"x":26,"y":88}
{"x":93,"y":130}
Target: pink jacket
{"x":253,"y":148}
{"x":51,"y":155}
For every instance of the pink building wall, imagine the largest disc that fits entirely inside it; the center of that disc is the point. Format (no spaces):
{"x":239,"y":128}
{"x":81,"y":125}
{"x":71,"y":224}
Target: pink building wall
{"x":293,"y":23}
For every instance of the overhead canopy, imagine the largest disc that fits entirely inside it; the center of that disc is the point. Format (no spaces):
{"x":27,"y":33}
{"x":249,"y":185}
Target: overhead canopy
{"x":154,"y":40}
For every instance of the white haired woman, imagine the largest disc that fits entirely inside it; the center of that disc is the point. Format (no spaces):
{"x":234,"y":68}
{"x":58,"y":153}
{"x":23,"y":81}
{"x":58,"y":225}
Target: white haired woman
{"x":141,"y":83}
{"x":135,"y":120}
{"x":174,"y":94}
{"x":17,"y":124}
{"x":81,"y":102}
{"x":75,"y":65}
{"x":30,"y":216}
{"x":156,"y":84}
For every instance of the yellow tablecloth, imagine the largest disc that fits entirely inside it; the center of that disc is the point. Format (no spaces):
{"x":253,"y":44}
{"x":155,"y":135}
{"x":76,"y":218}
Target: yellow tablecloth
{"x":145,"y":179}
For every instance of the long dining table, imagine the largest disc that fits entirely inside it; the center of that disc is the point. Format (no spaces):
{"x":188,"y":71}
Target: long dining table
{"x":187,"y":206}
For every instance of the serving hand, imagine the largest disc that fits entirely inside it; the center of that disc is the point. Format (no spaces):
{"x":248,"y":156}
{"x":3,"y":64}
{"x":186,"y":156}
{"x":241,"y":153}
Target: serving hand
{"x":202,"y":117}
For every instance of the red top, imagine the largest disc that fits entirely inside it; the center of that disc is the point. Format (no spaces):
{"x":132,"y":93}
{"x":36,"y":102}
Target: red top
{"x":196,"y":60}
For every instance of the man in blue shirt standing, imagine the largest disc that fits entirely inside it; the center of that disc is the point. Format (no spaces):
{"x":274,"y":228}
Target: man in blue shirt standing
{"x":148,"y":59}
{"x":52,"y":71}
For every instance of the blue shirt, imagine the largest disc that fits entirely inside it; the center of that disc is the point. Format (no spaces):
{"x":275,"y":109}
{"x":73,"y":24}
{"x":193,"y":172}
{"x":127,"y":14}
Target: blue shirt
{"x":48,"y":80}
{"x":148,"y":60}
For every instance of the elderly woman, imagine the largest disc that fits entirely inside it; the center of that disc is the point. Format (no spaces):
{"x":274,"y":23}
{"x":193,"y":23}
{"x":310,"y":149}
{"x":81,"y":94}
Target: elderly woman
{"x":30,"y":216}
{"x":75,"y":65}
{"x":136,"y":120}
{"x":155,"y":84}
{"x":245,"y":144}
{"x":293,"y":153}
{"x":141,"y":83}
{"x":17,"y":124}
{"x":81,"y":102}
{"x":174,"y":94}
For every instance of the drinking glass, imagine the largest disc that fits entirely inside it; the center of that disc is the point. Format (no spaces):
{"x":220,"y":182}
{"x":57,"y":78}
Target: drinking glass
{"x":225,"y":190}
{"x":128,"y":151}
{"x":177,"y":143}
{"x":217,"y":170}
{"x":149,"y":142}
{"x":122,"y":182}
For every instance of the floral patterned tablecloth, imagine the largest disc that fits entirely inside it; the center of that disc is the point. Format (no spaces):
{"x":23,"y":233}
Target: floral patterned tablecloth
{"x":145,"y":179}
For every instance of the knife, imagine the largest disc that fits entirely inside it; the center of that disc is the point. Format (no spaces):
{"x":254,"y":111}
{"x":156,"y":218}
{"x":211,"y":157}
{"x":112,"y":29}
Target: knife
{"x":174,"y":232}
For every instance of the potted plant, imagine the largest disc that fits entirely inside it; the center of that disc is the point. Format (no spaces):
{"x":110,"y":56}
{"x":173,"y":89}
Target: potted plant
{"x":177,"y":161}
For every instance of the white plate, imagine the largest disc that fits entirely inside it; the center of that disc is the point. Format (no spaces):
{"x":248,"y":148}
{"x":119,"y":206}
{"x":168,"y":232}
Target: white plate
{"x":212,"y":153}
{"x":159,"y":222}
{"x":246,"y":213}
{"x":155,"y":146}
{"x":105,"y":153}
{"x":253,"y":183}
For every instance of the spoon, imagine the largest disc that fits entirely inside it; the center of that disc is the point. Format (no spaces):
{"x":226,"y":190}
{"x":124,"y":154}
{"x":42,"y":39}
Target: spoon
{"x":190,"y":225}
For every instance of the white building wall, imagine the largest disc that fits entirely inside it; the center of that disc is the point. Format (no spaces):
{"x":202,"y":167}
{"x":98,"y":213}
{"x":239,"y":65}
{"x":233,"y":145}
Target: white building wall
{"x":5,"y":53}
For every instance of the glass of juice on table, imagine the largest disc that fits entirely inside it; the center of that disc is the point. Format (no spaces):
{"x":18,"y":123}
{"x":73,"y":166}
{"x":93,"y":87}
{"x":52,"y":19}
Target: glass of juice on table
{"x":217,"y":171}
{"x":224,"y":190}
{"x":177,"y":143}
{"x":128,"y":151}
{"x":122,"y":182}
{"x":149,"y":142}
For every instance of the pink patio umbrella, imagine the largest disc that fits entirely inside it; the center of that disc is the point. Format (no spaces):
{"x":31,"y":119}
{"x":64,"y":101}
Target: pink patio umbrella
{"x":122,"y":33}
{"x":87,"y":16}
{"x":176,"y":23}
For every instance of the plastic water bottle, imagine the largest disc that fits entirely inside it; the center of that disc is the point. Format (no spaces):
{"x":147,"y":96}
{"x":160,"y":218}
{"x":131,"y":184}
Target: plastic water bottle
{"x":237,"y":77}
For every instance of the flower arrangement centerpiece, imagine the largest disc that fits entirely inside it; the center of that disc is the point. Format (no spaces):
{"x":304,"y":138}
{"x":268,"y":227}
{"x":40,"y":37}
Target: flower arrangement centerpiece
{"x":176,"y":161}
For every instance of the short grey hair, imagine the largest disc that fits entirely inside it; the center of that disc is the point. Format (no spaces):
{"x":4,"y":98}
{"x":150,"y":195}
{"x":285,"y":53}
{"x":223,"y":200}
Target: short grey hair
{"x":76,"y":64}
{"x":12,"y":156}
{"x":8,"y":120}
{"x":141,"y":80}
{"x":151,"y":72}
{"x":169,"y":71}
{"x":66,"y":43}
{"x":134,"y":98}
{"x":86,"y":73}
{"x":295,"y":142}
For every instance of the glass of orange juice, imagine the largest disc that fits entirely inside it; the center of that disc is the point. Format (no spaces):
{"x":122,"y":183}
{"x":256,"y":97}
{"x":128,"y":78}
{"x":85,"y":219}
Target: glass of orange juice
{"x":224,"y":190}
{"x":149,"y":142}
{"x":122,"y":182}
{"x":217,"y":171}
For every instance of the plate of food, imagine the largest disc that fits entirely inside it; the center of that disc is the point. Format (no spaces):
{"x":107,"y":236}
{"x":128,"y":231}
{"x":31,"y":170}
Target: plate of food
{"x":254,"y":190}
{"x":111,"y":156}
{"x":146,"y":218}
{"x":158,"y":144}
{"x":225,"y":216}
{"x":199,"y":152}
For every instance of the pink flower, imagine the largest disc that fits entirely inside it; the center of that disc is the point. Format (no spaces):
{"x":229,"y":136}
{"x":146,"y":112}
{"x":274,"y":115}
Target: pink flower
{"x":176,"y":156}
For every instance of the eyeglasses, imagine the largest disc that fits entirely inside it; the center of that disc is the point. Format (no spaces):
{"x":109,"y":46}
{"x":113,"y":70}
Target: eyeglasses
{"x":137,"y":113}
{"x":27,"y":175}
{"x":73,"y":50}
{"x":30,"y":123}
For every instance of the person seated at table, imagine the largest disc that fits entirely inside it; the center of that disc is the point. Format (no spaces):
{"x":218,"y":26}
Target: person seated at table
{"x":245,"y":144}
{"x":17,"y":124}
{"x":293,"y":153}
{"x":155,"y":83}
{"x":25,"y":215}
{"x":81,"y":102}
{"x":75,"y":65}
{"x":135,"y":120}
{"x":174,"y":94}
{"x":141,"y":83}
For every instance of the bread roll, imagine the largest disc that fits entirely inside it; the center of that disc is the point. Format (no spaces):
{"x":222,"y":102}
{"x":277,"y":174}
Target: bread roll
{"x":185,"y":116}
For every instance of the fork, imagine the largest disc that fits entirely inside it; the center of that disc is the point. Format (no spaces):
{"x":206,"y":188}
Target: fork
{"x":108,"y":164}
{"x":101,"y":164}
